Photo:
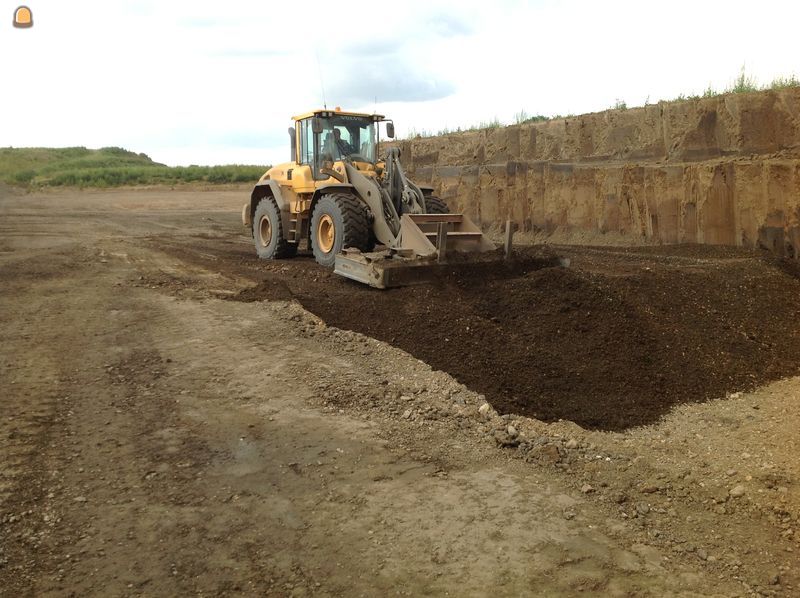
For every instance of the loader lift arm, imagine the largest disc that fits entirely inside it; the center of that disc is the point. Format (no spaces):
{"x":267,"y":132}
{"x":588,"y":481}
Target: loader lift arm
{"x":406,"y":196}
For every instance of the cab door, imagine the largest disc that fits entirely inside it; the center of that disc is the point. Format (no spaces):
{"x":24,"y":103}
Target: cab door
{"x":307,"y":168}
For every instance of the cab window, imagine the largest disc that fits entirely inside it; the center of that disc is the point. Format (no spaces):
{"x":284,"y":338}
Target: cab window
{"x":306,"y":142}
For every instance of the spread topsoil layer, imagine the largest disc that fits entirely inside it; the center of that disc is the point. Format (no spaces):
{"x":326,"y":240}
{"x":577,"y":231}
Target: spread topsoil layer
{"x":613,"y":341}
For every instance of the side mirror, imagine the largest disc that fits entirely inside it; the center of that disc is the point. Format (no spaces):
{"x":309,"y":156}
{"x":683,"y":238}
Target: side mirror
{"x":390,"y":130}
{"x":316,"y":125}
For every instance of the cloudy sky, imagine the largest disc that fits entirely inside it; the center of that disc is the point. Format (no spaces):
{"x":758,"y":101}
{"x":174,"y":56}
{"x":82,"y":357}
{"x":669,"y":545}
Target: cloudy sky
{"x":213,"y":82}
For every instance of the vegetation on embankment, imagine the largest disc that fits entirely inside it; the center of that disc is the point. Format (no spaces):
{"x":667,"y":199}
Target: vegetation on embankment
{"x":108,"y":167}
{"x":743,"y":83}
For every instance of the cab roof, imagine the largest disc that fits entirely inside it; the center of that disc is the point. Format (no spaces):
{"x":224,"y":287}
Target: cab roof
{"x":337,"y":112}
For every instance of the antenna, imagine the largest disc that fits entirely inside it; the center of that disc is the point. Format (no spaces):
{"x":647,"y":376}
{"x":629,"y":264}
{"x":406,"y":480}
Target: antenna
{"x":321,"y":80}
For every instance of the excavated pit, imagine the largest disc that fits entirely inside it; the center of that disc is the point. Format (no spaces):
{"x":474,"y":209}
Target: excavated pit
{"x":612,"y":342}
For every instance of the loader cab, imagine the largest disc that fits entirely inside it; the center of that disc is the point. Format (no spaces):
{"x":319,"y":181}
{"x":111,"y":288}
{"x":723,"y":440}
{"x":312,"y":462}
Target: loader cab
{"x":325,"y":137}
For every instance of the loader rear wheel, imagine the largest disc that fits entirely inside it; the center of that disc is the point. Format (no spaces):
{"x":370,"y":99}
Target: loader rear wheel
{"x":434,"y":205}
{"x":339,"y":221}
{"x":268,"y":232}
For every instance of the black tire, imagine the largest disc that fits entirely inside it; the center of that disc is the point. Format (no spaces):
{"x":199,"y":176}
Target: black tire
{"x":348,"y":217}
{"x":268,"y":232}
{"x":434,"y":205}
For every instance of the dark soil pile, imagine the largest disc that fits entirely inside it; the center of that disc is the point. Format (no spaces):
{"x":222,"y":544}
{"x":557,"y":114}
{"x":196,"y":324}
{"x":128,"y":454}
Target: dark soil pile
{"x":614,"y":341}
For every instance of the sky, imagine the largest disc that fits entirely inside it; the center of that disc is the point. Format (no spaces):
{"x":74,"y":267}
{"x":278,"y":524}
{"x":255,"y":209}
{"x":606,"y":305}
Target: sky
{"x":213,"y":82}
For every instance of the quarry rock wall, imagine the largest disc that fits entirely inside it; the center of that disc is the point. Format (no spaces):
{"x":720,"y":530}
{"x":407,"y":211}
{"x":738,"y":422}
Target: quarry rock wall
{"x":722,"y":170}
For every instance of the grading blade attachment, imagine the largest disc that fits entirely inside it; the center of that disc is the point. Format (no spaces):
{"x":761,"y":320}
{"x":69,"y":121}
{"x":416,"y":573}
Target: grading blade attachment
{"x":426,"y":245}
{"x":385,"y":269}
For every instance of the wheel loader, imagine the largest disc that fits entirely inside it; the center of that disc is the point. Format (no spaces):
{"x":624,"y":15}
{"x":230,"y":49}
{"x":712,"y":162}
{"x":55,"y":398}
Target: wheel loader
{"x":358,"y":213}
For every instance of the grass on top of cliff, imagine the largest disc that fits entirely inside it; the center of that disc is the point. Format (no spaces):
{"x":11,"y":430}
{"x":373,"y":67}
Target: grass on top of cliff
{"x":745,"y":83}
{"x":108,"y":167}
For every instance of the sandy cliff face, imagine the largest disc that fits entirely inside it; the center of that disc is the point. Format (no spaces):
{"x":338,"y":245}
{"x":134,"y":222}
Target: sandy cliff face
{"x":723,"y":170}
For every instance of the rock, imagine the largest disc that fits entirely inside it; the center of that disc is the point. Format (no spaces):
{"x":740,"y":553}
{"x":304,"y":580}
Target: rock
{"x":485,"y":410}
{"x":571,"y":444}
{"x":775,"y":579}
{"x":737,"y":491}
{"x":619,"y":498}
{"x":587,"y":489}
{"x":406,"y":413}
{"x":512,"y":431}
{"x":702,"y":553}
{"x":642,"y":508}
{"x":79,"y":499}
{"x":548,"y":453}
{"x":504,"y":439}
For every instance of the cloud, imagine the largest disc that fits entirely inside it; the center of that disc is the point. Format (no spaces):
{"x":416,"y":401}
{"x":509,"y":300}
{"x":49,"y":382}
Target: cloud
{"x":435,"y":27}
{"x":255,"y":136}
{"x":393,"y":67}
{"x":251,"y":139}
{"x":201,"y":22}
{"x":372,"y":47}
{"x":249,"y":53}
{"x":446,"y":25}
{"x":388,"y":81}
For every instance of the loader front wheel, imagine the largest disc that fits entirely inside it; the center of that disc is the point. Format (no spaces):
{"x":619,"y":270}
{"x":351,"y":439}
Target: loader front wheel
{"x":434,"y":205}
{"x":268,"y":232}
{"x":339,"y":221}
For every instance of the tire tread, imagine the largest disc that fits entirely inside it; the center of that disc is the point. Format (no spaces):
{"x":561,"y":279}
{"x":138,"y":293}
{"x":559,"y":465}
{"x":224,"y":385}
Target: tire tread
{"x":283,"y":248}
{"x":435,"y":205}
{"x":355,"y":218}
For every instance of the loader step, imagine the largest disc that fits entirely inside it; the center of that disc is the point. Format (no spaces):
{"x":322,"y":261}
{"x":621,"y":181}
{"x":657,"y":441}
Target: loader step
{"x":296,"y":227}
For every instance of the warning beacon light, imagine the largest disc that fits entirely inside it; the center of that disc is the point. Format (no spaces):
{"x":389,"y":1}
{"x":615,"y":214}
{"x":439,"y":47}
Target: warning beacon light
{"x":23,"y":17}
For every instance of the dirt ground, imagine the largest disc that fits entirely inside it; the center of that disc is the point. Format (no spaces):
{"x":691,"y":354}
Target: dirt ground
{"x":181,"y":418}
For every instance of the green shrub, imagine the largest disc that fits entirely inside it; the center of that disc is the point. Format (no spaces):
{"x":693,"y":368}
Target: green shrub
{"x":23,"y":177}
{"x":744,"y":83}
{"x":785,"y":82}
{"x":109,"y":167}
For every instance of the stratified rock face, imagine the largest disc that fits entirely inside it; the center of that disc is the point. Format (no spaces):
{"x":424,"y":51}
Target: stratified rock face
{"x":722,"y":170}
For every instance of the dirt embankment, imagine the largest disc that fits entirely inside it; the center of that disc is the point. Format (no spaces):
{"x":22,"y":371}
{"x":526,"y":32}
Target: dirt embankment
{"x":722,"y":170}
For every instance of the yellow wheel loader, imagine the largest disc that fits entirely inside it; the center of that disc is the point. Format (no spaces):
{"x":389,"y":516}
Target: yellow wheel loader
{"x":359,"y":214}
